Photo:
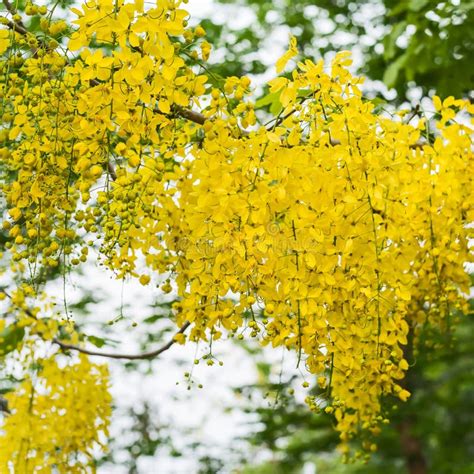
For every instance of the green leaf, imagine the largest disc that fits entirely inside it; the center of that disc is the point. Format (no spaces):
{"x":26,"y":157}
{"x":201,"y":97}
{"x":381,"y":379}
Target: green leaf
{"x":268,"y":99}
{"x":215,"y":79}
{"x":401,"y":7}
{"x":97,"y":341}
{"x":264,"y":369}
{"x":153,"y":319}
{"x":417,"y":5}
{"x":391,"y":73}
{"x":10,"y":338}
{"x":379,"y":103}
{"x":276,"y":107}
{"x":466,"y":6}
{"x":390,"y":41}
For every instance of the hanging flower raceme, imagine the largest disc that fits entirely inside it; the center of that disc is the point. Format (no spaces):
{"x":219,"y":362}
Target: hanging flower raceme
{"x":57,"y":417}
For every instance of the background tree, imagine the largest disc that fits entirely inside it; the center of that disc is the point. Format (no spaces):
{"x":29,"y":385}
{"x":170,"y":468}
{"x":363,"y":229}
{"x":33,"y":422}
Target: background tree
{"x":405,"y":44}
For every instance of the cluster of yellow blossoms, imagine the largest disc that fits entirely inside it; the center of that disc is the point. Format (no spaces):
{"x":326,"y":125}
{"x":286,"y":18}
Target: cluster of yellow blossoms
{"x":334,"y":231}
{"x":58,"y":418}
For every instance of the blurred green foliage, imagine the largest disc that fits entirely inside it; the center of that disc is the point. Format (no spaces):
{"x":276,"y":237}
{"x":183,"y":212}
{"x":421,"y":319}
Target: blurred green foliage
{"x":405,"y":43}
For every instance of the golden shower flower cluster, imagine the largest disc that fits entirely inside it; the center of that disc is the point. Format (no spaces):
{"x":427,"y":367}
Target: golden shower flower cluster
{"x":332,"y":230}
{"x":58,"y":416}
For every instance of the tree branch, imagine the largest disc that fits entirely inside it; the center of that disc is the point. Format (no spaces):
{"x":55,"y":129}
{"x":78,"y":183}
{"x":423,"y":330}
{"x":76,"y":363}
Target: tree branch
{"x":191,"y":115}
{"x":4,"y":405}
{"x":142,"y":356}
{"x":411,"y":448}
{"x":200,"y":119}
{"x":17,"y":25}
{"x":411,"y":445}
{"x":111,"y":170}
{"x":10,"y":8}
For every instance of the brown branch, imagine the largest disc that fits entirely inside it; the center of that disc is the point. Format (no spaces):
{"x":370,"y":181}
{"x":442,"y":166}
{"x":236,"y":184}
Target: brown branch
{"x":10,"y":8}
{"x":142,"y":356}
{"x":410,"y":444}
{"x":111,"y":170}
{"x":18,"y":25}
{"x":200,"y":119}
{"x":412,"y":448}
{"x":191,"y":115}
{"x":4,"y":405}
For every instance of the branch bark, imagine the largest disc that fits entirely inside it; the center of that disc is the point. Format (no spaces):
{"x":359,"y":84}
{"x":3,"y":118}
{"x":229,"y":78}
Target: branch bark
{"x":10,"y":8}
{"x":411,"y":446}
{"x":141,"y":356}
{"x":4,"y":405}
{"x":17,"y":27}
{"x":191,"y":115}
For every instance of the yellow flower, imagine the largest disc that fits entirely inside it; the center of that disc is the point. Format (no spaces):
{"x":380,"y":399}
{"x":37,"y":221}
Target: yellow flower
{"x":291,"y":53}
